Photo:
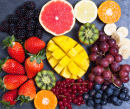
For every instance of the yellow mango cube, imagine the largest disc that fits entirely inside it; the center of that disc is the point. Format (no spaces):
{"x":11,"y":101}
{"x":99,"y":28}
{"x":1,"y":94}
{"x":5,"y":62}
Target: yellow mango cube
{"x":72,"y":53}
{"x":85,"y":67}
{"x":58,"y":54}
{"x":48,"y":54}
{"x":73,"y":77}
{"x":84,"y":54}
{"x":65,"y":73}
{"x":71,"y":42}
{"x":53,"y":62}
{"x":52,"y":47}
{"x":58,"y":68}
{"x":64,"y":61}
{"x":81,"y":73}
{"x":78,"y":48}
{"x":51,"y":41}
{"x":74,"y":69}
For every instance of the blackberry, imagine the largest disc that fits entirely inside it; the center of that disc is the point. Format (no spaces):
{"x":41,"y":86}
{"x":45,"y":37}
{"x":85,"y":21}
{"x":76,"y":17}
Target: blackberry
{"x":30,"y":5}
{"x":13,"y":29}
{"x":38,"y":33}
{"x":31,"y":25}
{"x":29,"y":15}
{"x":12,"y":18}
{"x":38,"y":25}
{"x":4,"y":26}
{"x":36,"y":14}
{"x":22,"y":23}
{"x":29,"y":34}
{"x":21,"y":11}
{"x":21,"y":34}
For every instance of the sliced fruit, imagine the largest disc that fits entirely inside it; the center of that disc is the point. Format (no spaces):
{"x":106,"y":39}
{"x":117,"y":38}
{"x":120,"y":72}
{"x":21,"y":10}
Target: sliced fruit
{"x":45,"y":100}
{"x":118,"y":36}
{"x":109,"y":12}
{"x":109,"y":29}
{"x":45,"y":80}
{"x":123,"y":30}
{"x":124,"y":50}
{"x":58,"y":54}
{"x":52,"y":47}
{"x":69,"y":59}
{"x":65,"y":73}
{"x":125,"y":41}
{"x":88,"y":34}
{"x":57,"y":17}
{"x":85,"y":11}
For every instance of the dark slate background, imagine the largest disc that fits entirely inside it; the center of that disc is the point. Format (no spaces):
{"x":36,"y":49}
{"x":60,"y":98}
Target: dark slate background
{"x":9,"y":6}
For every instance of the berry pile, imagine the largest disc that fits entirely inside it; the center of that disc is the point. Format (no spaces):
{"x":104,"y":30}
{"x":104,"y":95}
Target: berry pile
{"x":108,"y":69}
{"x":69,"y":91}
{"x":100,"y":95}
{"x":24,"y":23}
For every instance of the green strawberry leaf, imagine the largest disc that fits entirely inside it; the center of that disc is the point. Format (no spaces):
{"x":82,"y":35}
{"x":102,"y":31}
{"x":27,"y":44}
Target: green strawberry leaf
{"x":23,"y":99}
{"x":6,"y":104}
{"x":32,"y":58}
{"x":38,"y":60}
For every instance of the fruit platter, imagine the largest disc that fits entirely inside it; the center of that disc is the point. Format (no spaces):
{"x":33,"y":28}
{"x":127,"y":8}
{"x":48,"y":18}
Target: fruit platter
{"x":64,"y":54}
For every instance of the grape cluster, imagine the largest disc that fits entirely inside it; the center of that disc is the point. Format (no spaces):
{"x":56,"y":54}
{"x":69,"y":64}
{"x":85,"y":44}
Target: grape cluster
{"x":100,"y":95}
{"x":108,"y":69}
{"x":70,"y":91}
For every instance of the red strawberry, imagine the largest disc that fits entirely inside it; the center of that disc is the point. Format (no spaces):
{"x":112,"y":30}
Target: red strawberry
{"x":34,"y":64}
{"x":9,"y":98}
{"x":34,"y":45}
{"x":15,"y":49}
{"x":12,"y":82}
{"x":11,"y":66}
{"x":27,"y":91}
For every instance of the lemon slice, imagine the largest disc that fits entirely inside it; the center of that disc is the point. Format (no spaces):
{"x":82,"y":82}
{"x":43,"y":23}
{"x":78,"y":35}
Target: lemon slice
{"x":85,"y":11}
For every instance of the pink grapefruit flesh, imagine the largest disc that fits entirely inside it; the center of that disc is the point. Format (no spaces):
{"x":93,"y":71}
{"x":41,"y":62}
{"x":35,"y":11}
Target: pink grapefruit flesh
{"x":57,"y":17}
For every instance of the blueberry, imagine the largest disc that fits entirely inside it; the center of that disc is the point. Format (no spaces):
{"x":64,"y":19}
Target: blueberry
{"x":104,"y":87}
{"x":109,"y":91}
{"x":124,"y":90}
{"x":118,"y":103}
{"x":109,"y":100}
{"x":127,"y":98}
{"x":103,"y":103}
{"x":104,"y":96}
{"x":97,"y":86}
{"x":122,"y":96}
{"x":113,"y":99}
{"x":92,"y":92}
{"x":90,"y":103}
{"x":97,"y":101}
{"x":85,"y":96}
{"x":98,"y":106}
{"x":98,"y":95}
{"x":112,"y":86}
{"x":100,"y":91}
{"x":116,"y":92}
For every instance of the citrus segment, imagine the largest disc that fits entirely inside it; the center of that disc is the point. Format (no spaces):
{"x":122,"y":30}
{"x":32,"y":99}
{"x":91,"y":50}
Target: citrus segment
{"x":109,"y":12}
{"x":45,"y":100}
{"x":57,"y":17}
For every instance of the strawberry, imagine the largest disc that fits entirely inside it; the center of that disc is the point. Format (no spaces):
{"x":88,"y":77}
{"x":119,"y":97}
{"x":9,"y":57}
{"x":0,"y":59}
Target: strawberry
{"x":34,"y":45}
{"x":15,"y":49}
{"x":34,"y":64}
{"x":12,"y":82}
{"x":27,"y":91}
{"x":11,"y":66}
{"x":9,"y":98}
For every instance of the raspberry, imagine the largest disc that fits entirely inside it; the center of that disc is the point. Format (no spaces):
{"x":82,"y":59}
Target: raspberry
{"x":30,"y":5}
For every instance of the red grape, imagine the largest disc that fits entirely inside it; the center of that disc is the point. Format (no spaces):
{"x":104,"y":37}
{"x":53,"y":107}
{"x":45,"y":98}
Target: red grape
{"x":103,"y":38}
{"x":91,"y":77}
{"x":118,"y":82}
{"x":104,"y":47}
{"x":93,"y":56}
{"x":98,"y":70}
{"x":118,"y":58}
{"x":113,"y":51}
{"x":116,"y":46}
{"x":101,"y":33}
{"x":125,"y":80}
{"x":115,"y":67}
{"x":114,"y":78}
{"x":107,"y":82}
{"x":60,"y":102}
{"x":98,"y":61}
{"x":99,"y":79}
{"x":109,"y":58}
{"x":94,"y":48}
{"x":125,"y":67}
{"x":104,"y":62}
{"x":107,"y":74}
{"x":111,"y":42}
{"x":123,"y":73}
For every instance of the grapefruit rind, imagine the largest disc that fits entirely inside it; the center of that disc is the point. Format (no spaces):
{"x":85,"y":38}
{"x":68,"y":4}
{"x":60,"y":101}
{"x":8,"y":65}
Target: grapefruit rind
{"x":51,"y":32}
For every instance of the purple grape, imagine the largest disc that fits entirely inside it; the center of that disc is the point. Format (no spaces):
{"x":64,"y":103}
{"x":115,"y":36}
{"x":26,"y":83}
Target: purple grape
{"x":98,"y":70}
{"x":103,"y":38}
{"x":101,"y":33}
{"x":104,"y":87}
{"x":115,"y":67}
{"x":118,"y":58}
{"x":93,"y":57}
{"x":113,"y":51}
{"x":107,"y":74}
{"x":109,"y":58}
{"x":125,"y":67}
{"x":125,"y":80}
{"x":98,"y":61}
{"x":94,"y":48}
{"x":111,"y":42}
{"x":123,"y":73}
{"x":104,"y":47}
{"x":104,"y":62}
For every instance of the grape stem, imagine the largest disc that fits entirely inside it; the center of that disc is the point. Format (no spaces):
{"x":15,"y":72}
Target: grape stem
{"x":114,"y":83}
{"x":78,"y":83}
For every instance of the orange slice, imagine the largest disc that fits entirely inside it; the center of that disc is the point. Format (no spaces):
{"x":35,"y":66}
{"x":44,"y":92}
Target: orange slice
{"x":109,"y":12}
{"x":45,"y":100}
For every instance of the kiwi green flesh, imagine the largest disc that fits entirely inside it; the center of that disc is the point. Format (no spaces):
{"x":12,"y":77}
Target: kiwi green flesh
{"x":88,"y":34}
{"x":45,"y":80}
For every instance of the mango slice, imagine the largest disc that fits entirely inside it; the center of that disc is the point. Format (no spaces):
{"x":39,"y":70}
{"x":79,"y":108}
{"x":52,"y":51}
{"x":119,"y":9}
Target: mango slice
{"x":58,"y":54}
{"x":53,"y":62}
{"x":65,"y":73}
{"x":64,"y":61}
{"x":58,"y":68}
{"x":48,"y":54}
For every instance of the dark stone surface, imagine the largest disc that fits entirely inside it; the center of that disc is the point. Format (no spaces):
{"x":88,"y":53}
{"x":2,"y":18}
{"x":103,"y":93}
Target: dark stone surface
{"x":9,"y":6}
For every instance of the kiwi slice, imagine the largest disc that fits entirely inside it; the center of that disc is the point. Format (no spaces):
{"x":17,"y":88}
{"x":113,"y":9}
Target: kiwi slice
{"x":45,"y":80}
{"x":88,"y":34}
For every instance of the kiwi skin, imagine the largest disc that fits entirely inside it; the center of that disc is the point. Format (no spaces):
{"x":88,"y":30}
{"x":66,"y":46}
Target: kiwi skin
{"x":83,"y":42}
{"x":44,"y":70}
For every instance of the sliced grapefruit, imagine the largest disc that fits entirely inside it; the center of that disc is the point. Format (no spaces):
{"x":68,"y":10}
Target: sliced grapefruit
{"x":57,"y":17}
